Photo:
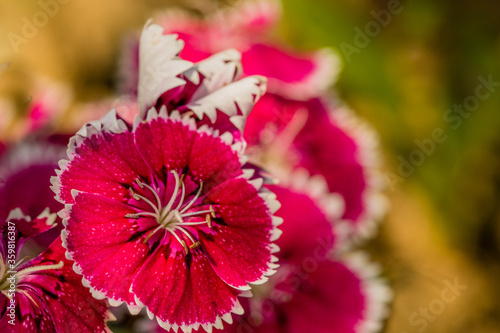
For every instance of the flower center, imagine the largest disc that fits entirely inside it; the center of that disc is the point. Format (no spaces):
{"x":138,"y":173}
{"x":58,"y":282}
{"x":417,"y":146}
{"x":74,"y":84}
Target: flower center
{"x":170,"y":218}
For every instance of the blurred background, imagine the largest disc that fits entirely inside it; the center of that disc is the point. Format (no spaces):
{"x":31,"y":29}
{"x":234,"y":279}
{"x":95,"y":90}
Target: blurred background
{"x":411,"y":68}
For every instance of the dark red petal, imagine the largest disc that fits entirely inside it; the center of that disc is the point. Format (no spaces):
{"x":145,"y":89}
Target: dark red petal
{"x":330,"y":299}
{"x":63,"y":304}
{"x":183,"y":291}
{"x":164,"y":143}
{"x":307,"y":233}
{"x":239,"y":246}
{"x":101,"y":163}
{"x":103,"y":243}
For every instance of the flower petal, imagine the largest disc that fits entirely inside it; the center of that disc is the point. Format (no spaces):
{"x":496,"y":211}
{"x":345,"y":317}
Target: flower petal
{"x":103,"y":243}
{"x":178,"y":145}
{"x":292,"y":75}
{"x":100,"y":161}
{"x":239,"y":247}
{"x":306,"y":230}
{"x":164,"y":143}
{"x":194,"y":296}
{"x":235,"y":99}
{"x":159,"y":65}
{"x":336,"y":298}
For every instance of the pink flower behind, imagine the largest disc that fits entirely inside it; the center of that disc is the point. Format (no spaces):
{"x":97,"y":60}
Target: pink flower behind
{"x":25,"y":171}
{"x":313,"y":291}
{"x":43,"y":294}
{"x":286,"y":134}
{"x":45,"y":102}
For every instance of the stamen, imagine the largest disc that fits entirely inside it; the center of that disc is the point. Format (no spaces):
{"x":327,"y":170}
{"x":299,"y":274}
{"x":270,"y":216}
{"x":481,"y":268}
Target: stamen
{"x":39,"y":268}
{"x":183,"y":194}
{"x":172,"y":220}
{"x":178,"y":216}
{"x":155,"y":194}
{"x":180,"y":241}
{"x":194,"y":199}
{"x":21,"y":261}
{"x":139,"y":183}
{"x":186,"y":233}
{"x":132,"y":193}
{"x":156,"y":209}
{"x":197,"y":213}
{"x":138,"y":215}
{"x":19,"y":275}
{"x":27,"y":295}
{"x":209,"y":221}
{"x":151,"y":234}
{"x":176,"y":190}
{"x":194,"y":223}
{"x":194,"y":245}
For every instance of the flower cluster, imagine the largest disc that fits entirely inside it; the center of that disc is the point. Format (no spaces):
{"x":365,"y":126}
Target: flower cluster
{"x":200,"y":201}
{"x":326,"y":161}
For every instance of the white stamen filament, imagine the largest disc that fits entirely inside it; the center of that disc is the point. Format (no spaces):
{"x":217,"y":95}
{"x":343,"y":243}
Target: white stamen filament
{"x":172,"y":220}
{"x":196,"y":213}
{"x":137,"y":197}
{"x":193,"y":201}
{"x":176,"y":190}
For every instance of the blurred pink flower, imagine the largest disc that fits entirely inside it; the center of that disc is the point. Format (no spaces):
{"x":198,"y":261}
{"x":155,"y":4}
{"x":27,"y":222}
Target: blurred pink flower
{"x":46,"y":102}
{"x":43,"y":294}
{"x":284,"y":134}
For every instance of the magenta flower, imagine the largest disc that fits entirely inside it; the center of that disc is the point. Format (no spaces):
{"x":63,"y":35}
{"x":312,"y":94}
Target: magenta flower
{"x":345,"y":296}
{"x":167,"y":213}
{"x":25,"y":171}
{"x":164,"y":216}
{"x":326,"y":141}
{"x":43,"y":294}
{"x":294,"y":74}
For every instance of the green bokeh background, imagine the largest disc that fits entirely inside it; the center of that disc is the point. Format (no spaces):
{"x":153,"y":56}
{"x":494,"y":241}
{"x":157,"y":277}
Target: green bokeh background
{"x":445,"y":217}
